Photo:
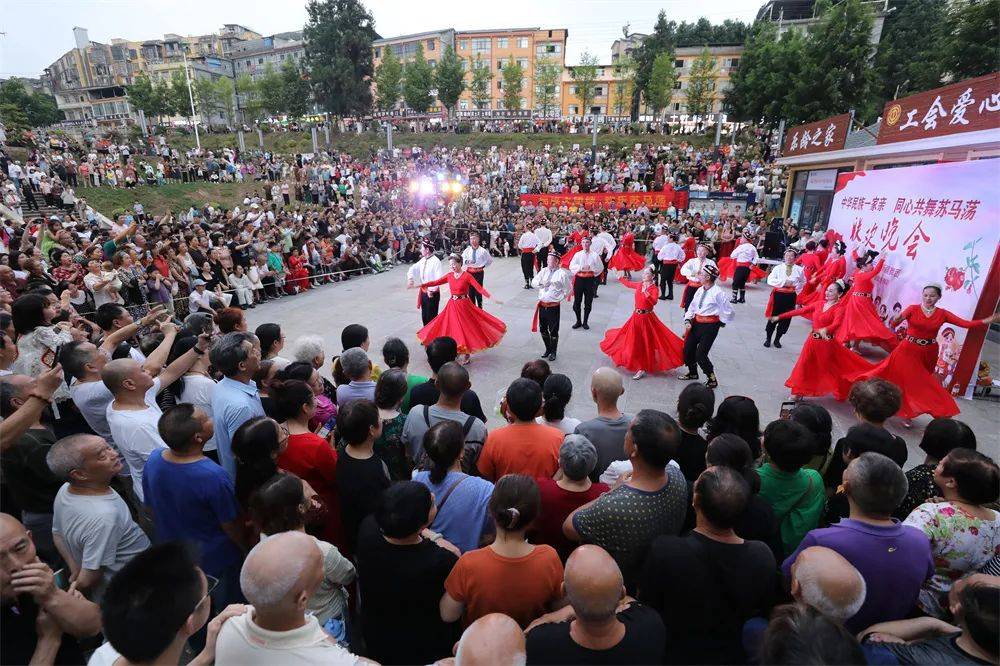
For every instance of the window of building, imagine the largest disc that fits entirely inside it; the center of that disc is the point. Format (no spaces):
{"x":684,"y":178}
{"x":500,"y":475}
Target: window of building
{"x":598,"y":91}
{"x":524,"y":103}
{"x":465,"y":64}
{"x":600,"y":73}
{"x":430,"y":44}
{"x":431,"y":62}
{"x":499,"y":65}
{"x":574,"y":109}
{"x":678,"y":64}
{"x":522,"y":63}
{"x":734,"y":62}
{"x":499,"y":84}
{"x":522,"y":42}
{"x":573,"y":90}
{"x":677,"y":106}
{"x":481,"y":45}
{"x":597,"y":110}
{"x":378,"y":52}
{"x":502,"y":42}
{"x":463,"y":45}
{"x":463,"y":104}
{"x":260,"y":61}
{"x":677,"y":85}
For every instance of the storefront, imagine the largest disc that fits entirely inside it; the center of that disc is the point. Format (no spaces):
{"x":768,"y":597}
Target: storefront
{"x":955,"y":123}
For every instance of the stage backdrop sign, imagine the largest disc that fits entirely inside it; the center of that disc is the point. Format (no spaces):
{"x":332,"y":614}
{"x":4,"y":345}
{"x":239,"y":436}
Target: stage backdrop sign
{"x":937,"y":223}
{"x":610,"y":200}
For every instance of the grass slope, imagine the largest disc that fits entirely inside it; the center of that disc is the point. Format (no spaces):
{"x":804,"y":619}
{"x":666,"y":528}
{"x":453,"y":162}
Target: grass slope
{"x":173,"y":197}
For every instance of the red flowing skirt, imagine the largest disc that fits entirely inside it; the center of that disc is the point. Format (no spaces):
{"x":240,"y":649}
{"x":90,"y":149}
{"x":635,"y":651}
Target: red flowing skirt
{"x":627,"y":259}
{"x":725,"y":248}
{"x":473,"y":328}
{"x":644,"y":343}
{"x":911,"y":368}
{"x":727,"y":268}
{"x":861,"y":323}
{"x":568,"y":257}
{"x":825,"y":367}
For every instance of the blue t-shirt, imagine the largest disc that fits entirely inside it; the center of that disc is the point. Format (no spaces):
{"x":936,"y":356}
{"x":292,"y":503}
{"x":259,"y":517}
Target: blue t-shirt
{"x":189,"y":503}
{"x":464,"y":517}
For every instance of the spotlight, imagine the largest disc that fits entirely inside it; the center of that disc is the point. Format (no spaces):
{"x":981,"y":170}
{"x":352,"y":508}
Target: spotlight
{"x":414,"y":186}
{"x":426,"y":186}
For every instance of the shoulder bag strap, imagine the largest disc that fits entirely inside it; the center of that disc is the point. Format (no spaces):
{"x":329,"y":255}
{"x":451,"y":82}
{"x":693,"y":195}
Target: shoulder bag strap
{"x":447,"y":493}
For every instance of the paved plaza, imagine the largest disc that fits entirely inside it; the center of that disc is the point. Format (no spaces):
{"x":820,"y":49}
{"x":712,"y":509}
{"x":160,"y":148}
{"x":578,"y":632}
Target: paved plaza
{"x":743,"y":365}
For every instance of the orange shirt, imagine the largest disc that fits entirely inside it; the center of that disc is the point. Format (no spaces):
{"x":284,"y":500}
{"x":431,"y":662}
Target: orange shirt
{"x":521,"y":587}
{"x":521,"y":448}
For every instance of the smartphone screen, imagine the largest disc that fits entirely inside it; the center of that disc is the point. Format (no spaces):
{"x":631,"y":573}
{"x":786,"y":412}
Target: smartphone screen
{"x":786,"y":409}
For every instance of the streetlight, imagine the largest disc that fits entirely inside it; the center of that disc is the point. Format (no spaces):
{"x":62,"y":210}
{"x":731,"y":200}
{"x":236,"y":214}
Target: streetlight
{"x":187,"y":79}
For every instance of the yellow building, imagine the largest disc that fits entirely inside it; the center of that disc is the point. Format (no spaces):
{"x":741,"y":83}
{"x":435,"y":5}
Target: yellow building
{"x":727,"y":60}
{"x":405,"y":48}
{"x":610,"y":96}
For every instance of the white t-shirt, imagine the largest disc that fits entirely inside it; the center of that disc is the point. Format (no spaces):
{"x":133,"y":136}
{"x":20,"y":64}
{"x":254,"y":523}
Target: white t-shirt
{"x":136,"y":435}
{"x":198,"y":391}
{"x":92,"y":399}
{"x":242,"y":642}
{"x":106,"y":655}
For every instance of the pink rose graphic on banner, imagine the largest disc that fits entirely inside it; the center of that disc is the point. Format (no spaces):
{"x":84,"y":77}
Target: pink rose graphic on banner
{"x":954,"y":278}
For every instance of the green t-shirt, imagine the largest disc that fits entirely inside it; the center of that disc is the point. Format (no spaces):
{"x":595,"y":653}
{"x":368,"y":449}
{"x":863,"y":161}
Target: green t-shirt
{"x":411,"y":381}
{"x":797,"y":498}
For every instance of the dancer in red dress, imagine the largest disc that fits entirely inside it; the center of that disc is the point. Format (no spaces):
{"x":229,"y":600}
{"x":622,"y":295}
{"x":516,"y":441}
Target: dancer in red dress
{"x":834,"y":269}
{"x":810,"y":262}
{"x":472,"y":328}
{"x":577,"y":236}
{"x":626,"y":258}
{"x":861,"y":321}
{"x":823,"y":362}
{"x":644,"y":344}
{"x":911,"y":364}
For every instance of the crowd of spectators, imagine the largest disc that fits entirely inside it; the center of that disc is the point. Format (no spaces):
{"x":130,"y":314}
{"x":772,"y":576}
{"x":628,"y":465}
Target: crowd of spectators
{"x":179,"y":489}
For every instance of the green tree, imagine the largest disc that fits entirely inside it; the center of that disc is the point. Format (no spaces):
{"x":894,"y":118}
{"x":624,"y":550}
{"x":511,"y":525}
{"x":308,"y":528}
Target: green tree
{"x":338,"y":42}
{"x":584,"y":75}
{"x":449,"y":79}
{"x":294,"y":90}
{"x":270,"y":87}
{"x":909,"y":57}
{"x":973,"y":29}
{"x":836,"y":70}
{"x":662,"y":79}
{"x":178,"y":101}
{"x":206,"y":98}
{"x":388,"y":79}
{"x":142,"y":96}
{"x":225,"y":99}
{"x":513,"y":75}
{"x":43,"y":110}
{"x":624,"y":85}
{"x":418,"y":80}
{"x":701,"y":85}
{"x":482,"y":77}
{"x":548,"y":76}
{"x":663,"y":40}
{"x":248,"y":101}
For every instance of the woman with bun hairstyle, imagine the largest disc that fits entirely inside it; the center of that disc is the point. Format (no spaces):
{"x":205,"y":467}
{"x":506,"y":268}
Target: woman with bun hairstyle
{"x":911,"y":364}
{"x":823,"y":363}
{"x":557,"y":390}
{"x":510,"y":576}
{"x":695,"y":405}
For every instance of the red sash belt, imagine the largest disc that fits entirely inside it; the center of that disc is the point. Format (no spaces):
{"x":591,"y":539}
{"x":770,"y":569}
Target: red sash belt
{"x":586,"y":274}
{"x":538,"y":307}
{"x":670,"y":262}
{"x":641,"y":311}
{"x":475,"y":269}
{"x":923,"y":342}
{"x":742,"y":264}
{"x":706,"y":319}
{"x":458,"y":297}
{"x":529,"y":250}
{"x":693,"y":283}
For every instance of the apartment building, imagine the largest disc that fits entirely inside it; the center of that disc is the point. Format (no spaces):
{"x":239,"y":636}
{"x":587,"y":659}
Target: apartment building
{"x":89,"y":81}
{"x":727,"y":60}
{"x":404,"y":47}
{"x":610,"y":96}
{"x":626,"y":47}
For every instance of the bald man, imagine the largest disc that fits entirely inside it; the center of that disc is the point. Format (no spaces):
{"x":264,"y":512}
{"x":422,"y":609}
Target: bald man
{"x":278,"y":578}
{"x":492,"y":640}
{"x":601,"y":625}
{"x":607,"y":430}
{"x":821,"y":578}
{"x":29,"y":638}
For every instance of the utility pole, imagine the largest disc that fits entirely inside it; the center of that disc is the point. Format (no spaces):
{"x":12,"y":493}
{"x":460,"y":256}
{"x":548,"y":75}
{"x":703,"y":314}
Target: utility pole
{"x":187,"y":79}
{"x":593,"y":143}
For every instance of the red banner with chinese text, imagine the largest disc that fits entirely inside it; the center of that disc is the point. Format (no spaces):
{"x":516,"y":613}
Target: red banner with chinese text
{"x":933,"y":224}
{"x":966,"y":106}
{"x":610,"y":200}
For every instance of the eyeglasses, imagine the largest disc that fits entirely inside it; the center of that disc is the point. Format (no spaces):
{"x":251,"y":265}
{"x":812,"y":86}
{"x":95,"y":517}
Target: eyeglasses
{"x":212,"y":583}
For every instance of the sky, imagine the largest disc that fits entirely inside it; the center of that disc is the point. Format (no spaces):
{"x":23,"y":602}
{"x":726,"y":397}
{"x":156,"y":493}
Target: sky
{"x":38,"y":32}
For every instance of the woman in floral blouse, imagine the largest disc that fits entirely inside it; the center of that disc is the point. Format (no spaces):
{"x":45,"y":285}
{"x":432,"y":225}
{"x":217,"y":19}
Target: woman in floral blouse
{"x":964,"y":534}
{"x":940,"y":437}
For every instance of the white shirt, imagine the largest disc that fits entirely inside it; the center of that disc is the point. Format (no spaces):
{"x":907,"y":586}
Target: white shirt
{"x":200,"y":300}
{"x":670,"y":252}
{"x":92,"y":399}
{"x":243,"y":642}
{"x":692,"y":268}
{"x":476,"y":258}
{"x":552,"y":285}
{"x":660,"y":240}
{"x":427,"y":269}
{"x":781,"y":274}
{"x":586,"y":261}
{"x":544,"y":236}
{"x":745,"y":253}
{"x":710,"y":302}
{"x":604,"y":244}
{"x":136,"y":434}
{"x":527,"y":241}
